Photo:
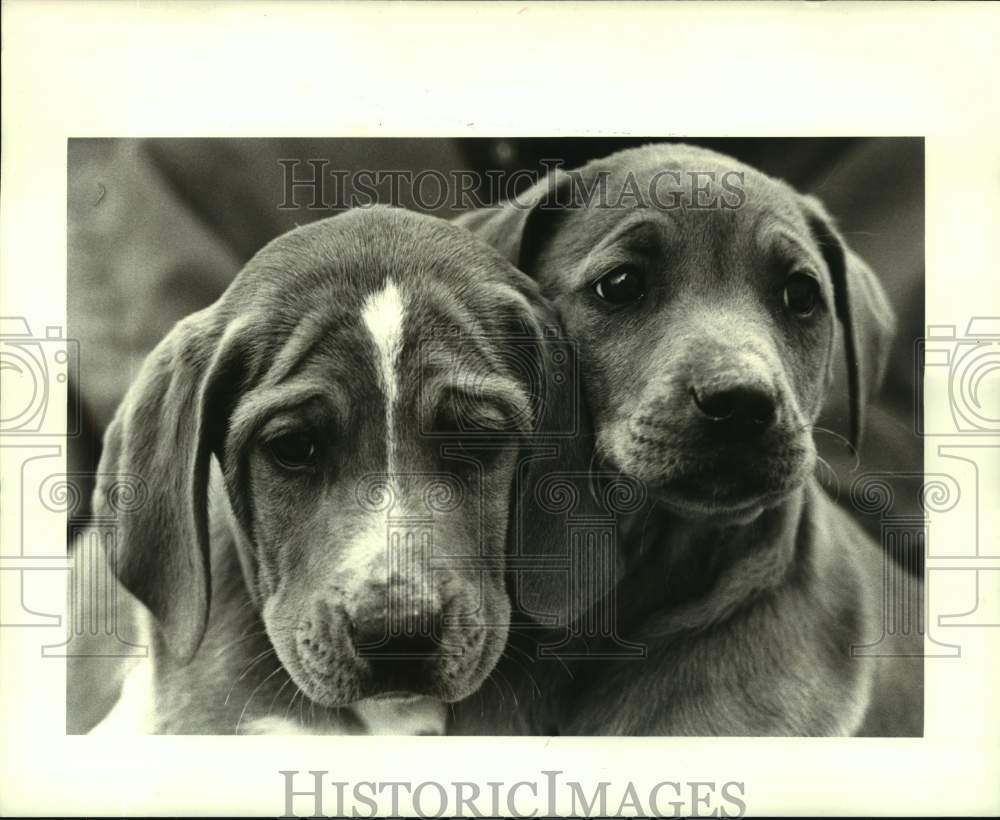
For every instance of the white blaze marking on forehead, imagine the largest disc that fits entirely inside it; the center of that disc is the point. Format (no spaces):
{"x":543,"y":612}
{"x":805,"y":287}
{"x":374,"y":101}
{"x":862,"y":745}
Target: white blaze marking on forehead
{"x":383,"y":316}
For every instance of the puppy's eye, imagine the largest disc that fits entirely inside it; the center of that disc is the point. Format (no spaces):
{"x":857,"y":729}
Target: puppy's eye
{"x":622,"y":286}
{"x":801,"y":294}
{"x":293,"y":451}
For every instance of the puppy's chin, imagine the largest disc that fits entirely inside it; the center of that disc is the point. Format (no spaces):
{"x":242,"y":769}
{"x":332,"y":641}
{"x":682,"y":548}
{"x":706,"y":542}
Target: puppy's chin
{"x":344,"y":685}
{"x":348,"y":682}
{"x":731,"y":514}
{"x":334,"y":694}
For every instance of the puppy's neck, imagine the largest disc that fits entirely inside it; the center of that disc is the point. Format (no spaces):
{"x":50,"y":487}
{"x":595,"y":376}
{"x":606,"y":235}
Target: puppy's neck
{"x":706,"y":570}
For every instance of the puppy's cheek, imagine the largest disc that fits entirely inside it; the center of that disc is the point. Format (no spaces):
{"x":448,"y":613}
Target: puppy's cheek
{"x":810,"y":387}
{"x":615,"y":443}
{"x":282,"y":638}
{"x":280,"y":632}
{"x":316,"y":670}
{"x":495,"y":629}
{"x":796,"y":456}
{"x":481,"y":642}
{"x":649,"y":453}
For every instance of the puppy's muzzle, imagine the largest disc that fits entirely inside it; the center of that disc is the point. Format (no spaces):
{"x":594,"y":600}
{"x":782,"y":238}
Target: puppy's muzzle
{"x":719,"y":433}
{"x":398,"y":640}
{"x":395,"y":626}
{"x":736,"y":410}
{"x":386,"y":627}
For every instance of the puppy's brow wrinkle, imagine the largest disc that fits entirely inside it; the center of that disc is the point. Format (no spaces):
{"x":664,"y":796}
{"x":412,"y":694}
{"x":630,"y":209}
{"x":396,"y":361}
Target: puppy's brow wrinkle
{"x":308,"y":337}
{"x":635,"y":225}
{"x":254,"y":412}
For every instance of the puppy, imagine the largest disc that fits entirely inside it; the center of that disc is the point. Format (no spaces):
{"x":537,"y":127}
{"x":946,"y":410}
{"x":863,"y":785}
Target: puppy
{"x":706,"y":300}
{"x":336,"y":458}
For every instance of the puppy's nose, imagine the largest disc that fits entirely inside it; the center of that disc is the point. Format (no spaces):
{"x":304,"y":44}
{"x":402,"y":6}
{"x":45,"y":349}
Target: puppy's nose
{"x":410,"y":635}
{"x":740,"y":410}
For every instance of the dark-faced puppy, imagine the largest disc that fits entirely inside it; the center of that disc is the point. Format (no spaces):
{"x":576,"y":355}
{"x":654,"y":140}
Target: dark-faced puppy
{"x":333,"y":457}
{"x":707,"y":300}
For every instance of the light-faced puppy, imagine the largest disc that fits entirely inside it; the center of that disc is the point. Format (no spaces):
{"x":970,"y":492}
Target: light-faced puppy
{"x":708,"y":301}
{"x":332,"y":461}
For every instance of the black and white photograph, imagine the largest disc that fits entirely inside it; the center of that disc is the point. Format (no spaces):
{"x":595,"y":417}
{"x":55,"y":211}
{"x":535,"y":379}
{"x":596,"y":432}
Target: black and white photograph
{"x":416,"y":441}
{"x":550,"y":464}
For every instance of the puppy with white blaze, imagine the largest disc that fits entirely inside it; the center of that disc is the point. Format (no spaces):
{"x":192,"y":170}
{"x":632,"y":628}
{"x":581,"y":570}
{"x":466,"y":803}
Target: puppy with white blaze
{"x":332,"y":488}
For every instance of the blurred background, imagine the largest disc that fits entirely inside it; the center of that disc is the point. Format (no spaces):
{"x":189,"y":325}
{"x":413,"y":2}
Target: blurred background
{"x":158,"y":229}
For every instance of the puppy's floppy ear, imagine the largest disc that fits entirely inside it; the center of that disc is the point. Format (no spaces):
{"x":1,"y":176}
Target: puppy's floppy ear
{"x":867,"y":318}
{"x":561,"y":538}
{"x":164,"y":433}
{"x":518,"y":228}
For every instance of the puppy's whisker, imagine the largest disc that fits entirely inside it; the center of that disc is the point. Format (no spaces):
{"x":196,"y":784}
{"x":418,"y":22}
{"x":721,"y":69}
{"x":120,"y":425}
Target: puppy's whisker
{"x":513,"y":691}
{"x":291,"y":703}
{"x":850,"y":447}
{"x":278,"y":694}
{"x":237,"y":615}
{"x":562,"y":663}
{"x":261,"y":657}
{"x":257,"y":659}
{"x":818,"y":429}
{"x":492,"y":679}
{"x":252,"y":693}
{"x":510,"y":647}
{"x":828,"y":477}
{"x":536,"y":690}
{"x":237,"y":641}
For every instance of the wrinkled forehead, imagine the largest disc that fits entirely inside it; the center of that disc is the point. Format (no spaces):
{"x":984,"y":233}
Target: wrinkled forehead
{"x":653,"y":202}
{"x":409,"y":342}
{"x":376,"y":316}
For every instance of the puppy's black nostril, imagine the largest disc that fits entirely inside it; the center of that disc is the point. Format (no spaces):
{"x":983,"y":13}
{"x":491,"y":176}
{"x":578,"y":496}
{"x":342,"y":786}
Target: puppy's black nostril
{"x":408,"y":646}
{"x":738,"y":410}
{"x":377,"y":639}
